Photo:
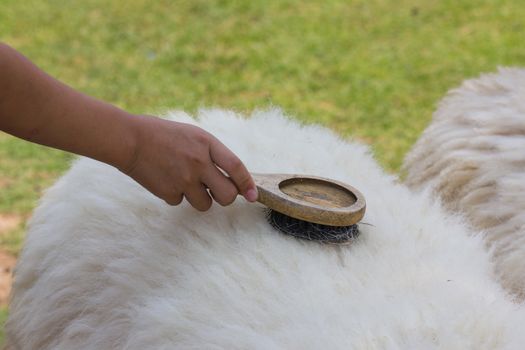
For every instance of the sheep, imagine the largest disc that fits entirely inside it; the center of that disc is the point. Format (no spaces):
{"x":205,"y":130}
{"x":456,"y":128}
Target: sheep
{"x":472,"y":156}
{"x":106,"y":265}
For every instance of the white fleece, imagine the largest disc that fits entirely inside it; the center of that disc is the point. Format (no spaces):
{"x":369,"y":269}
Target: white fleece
{"x":107,"y":265}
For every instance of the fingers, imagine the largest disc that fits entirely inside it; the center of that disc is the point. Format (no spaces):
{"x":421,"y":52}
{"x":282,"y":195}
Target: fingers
{"x":195,"y":164}
{"x":173,"y":198}
{"x":222,"y":188}
{"x":198,"y":197}
{"x":233,"y":166}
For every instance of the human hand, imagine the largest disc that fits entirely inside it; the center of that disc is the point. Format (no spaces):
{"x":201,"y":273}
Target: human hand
{"x":172,"y":160}
{"x":175,"y":160}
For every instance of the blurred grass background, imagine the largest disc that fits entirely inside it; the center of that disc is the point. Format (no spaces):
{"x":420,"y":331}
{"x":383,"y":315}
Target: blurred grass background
{"x":373,"y":70}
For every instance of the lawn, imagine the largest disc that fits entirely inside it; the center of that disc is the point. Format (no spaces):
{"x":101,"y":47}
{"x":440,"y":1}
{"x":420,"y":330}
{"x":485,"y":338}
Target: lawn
{"x":372,"y":70}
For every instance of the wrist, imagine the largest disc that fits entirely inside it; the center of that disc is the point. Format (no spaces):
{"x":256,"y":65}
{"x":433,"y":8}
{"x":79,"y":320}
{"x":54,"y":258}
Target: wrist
{"x":128,"y":155}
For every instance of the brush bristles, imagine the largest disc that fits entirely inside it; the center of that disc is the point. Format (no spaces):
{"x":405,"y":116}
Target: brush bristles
{"x":312,"y":231}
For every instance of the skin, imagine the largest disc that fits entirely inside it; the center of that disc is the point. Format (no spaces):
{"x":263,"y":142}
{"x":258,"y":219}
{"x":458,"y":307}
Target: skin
{"x":172,"y":160}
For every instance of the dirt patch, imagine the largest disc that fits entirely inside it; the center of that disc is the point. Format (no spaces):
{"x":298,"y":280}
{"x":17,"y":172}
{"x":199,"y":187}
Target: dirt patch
{"x":7,"y":264}
{"x":5,"y":182}
{"x":9,"y":222}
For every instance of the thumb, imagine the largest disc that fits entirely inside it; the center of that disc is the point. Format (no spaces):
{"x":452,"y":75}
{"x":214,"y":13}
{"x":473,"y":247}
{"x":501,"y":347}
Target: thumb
{"x":235,"y":169}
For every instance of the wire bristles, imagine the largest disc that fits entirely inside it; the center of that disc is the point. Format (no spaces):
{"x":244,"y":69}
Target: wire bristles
{"x":311,"y":231}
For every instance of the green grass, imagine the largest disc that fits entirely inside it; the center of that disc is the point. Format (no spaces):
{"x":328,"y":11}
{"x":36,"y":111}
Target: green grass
{"x":25,"y":171}
{"x":3,"y":318}
{"x":371,"y":69}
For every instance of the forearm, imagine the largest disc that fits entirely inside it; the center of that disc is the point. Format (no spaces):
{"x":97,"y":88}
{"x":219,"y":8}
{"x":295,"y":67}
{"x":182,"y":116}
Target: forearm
{"x":172,"y":160}
{"x":38,"y":108}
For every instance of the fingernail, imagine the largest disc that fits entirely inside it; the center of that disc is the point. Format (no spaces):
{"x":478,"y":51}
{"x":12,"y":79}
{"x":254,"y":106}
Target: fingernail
{"x":251,"y":195}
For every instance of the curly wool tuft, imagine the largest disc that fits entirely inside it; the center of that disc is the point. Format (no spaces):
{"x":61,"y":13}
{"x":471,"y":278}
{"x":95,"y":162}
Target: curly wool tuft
{"x":472,"y":156}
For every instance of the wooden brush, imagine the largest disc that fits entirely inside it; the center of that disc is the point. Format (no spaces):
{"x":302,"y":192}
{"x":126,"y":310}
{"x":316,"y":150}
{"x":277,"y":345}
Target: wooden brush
{"x":311,"y":207}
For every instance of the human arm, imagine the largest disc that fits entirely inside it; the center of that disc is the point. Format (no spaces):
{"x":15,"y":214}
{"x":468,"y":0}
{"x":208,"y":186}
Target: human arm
{"x":169,"y":159}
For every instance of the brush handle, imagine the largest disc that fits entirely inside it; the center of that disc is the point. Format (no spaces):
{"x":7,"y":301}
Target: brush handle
{"x":311,"y":198}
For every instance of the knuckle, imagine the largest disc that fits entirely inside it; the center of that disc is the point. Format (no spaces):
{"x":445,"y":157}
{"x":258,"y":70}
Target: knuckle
{"x":231,"y":196}
{"x":199,"y":200}
{"x":235,"y":164}
{"x":170,"y":202}
{"x":228,"y":201}
{"x":173,"y":199}
{"x":204,"y":206}
{"x":185,"y":179}
{"x":222,"y":201}
{"x":178,"y":200}
{"x":201,"y":137}
{"x":228,"y":197}
{"x":197,"y":159}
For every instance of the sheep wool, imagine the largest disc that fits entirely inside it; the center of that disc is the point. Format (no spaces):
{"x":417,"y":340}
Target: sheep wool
{"x":106,"y":265}
{"x":472,"y":156}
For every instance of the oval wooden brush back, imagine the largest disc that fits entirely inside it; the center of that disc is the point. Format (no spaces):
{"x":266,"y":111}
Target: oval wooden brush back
{"x":311,"y":198}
